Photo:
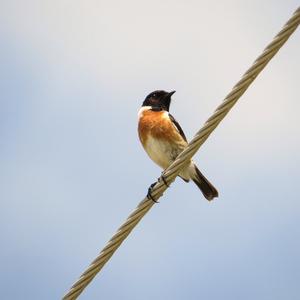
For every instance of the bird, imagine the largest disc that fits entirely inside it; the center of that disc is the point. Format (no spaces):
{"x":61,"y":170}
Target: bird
{"x":163,"y":140}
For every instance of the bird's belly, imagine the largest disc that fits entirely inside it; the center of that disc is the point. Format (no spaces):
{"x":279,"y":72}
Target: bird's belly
{"x":162,"y":152}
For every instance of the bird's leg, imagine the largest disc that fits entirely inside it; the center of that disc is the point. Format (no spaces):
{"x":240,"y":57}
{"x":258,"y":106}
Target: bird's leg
{"x":149,"y":196}
{"x":162,"y":177}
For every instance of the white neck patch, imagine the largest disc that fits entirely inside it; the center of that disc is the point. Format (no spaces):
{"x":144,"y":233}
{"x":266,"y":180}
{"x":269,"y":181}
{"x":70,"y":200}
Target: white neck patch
{"x":142,"y":110}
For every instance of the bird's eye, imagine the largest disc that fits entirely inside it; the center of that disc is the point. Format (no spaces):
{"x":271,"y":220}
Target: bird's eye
{"x":154,"y":95}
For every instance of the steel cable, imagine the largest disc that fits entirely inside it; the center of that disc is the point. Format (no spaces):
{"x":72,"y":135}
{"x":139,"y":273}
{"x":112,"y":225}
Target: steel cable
{"x":173,"y":170}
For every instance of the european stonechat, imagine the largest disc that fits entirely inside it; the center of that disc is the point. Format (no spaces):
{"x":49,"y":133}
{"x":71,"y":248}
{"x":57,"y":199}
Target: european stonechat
{"x":163,"y":139}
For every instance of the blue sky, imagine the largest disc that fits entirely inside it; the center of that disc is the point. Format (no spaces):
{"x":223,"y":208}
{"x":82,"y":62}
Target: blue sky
{"x":72,"y":78}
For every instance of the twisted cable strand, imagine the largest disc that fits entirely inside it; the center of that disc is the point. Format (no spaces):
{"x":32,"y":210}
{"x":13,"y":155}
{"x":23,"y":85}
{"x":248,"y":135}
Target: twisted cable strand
{"x":173,"y":170}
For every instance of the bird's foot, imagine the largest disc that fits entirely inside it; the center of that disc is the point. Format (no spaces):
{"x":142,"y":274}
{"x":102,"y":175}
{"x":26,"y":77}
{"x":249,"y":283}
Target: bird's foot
{"x":163,"y":179}
{"x":149,"y":196}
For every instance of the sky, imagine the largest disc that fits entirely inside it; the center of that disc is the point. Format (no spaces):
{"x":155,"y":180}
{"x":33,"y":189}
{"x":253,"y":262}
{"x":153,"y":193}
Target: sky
{"x":73,"y":76}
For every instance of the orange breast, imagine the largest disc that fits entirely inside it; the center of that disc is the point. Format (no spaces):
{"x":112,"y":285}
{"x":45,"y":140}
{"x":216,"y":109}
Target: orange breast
{"x":157,"y":125}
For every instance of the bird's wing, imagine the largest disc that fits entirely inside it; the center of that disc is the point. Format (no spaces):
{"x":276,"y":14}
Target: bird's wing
{"x":177,"y":126}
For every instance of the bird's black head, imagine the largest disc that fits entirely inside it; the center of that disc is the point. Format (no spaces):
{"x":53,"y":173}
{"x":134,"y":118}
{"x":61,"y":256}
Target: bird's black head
{"x":159,"y":100}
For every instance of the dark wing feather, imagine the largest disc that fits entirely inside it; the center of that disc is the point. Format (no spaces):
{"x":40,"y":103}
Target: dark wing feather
{"x":176,"y":124}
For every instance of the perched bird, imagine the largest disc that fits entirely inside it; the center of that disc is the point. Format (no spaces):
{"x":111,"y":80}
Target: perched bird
{"x":163,"y":139}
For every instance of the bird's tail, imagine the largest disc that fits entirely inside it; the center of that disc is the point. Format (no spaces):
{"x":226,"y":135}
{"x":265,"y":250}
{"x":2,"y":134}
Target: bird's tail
{"x":207,"y":189}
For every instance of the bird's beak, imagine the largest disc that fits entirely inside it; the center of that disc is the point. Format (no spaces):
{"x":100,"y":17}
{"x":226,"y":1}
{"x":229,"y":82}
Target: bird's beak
{"x":171,"y":93}
{"x":167,"y":100}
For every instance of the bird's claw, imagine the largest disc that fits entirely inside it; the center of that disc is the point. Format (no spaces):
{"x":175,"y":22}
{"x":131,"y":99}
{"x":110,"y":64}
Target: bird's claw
{"x":149,"y":196}
{"x":163,"y":179}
